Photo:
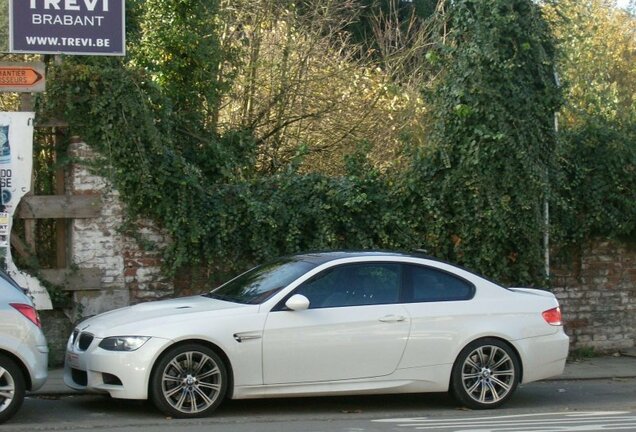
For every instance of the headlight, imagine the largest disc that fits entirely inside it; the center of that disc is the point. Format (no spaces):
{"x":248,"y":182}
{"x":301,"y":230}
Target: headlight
{"x":123,"y":343}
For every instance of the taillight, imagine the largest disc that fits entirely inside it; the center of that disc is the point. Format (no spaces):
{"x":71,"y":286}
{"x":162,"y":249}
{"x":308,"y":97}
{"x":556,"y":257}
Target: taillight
{"x":553,"y":316}
{"x":29,"y":312}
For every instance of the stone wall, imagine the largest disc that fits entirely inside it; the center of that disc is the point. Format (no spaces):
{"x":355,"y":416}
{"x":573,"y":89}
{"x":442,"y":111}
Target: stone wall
{"x":57,"y":328}
{"x":130,"y":273}
{"x":597,"y":291}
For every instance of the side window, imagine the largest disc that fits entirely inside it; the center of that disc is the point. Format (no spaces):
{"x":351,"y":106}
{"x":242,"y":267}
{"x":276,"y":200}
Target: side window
{"x":426,"y":284}
{"x":353,"y":285}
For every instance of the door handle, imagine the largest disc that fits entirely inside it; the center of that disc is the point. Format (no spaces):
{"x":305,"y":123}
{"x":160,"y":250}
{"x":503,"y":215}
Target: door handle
{"x":392,"y":318}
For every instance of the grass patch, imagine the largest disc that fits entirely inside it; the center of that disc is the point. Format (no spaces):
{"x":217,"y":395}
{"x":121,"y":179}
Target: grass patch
{"x":582,"y":353}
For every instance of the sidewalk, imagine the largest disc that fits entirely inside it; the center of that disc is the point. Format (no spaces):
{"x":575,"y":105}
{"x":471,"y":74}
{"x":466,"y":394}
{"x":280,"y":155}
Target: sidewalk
{"x":609,"y":367}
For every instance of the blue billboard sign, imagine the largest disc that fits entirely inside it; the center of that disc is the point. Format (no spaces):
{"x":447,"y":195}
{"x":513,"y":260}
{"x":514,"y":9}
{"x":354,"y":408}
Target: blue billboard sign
{"x":83,"y":27}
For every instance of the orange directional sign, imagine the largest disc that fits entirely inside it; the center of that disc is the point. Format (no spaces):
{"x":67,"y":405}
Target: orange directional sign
{"x":21,"y":77}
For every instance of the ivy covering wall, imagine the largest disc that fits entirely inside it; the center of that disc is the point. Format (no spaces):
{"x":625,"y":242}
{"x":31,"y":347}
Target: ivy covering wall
{"x":466,"y":181}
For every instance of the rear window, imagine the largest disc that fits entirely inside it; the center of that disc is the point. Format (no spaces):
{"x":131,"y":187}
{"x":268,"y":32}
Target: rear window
{"x":426,"y":284}
{"x":5,"y":279}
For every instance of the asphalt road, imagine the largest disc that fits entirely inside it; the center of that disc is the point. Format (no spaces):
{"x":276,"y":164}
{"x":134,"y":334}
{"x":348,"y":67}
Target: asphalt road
{"x":552,"y":406}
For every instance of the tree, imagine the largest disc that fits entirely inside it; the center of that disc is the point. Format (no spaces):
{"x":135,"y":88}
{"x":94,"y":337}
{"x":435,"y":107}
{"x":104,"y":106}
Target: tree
{"x":302,"y":88}
{"x":180,"y":49}
{"x":597,"y":62}
{"x":597,"y":155}
{"x":493,"y":139}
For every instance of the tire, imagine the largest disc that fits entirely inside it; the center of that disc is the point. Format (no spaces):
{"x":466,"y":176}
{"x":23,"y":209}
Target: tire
{"x":188,"y":381}
{"x":12,"y":388}
{"x":485,"y":374}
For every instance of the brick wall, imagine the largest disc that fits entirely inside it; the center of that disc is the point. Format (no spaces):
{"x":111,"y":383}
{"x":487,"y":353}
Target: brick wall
{"x":597,"y":290}
{"x":142,"y":266}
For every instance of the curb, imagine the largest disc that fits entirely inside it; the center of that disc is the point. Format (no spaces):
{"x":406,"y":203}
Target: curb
{"x":54,"y":394}
{"x":590,"y":378}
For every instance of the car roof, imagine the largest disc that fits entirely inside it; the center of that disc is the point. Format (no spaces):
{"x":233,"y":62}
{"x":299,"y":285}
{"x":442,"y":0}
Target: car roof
{"x":323,"y":257}
{"x":318,"y":258}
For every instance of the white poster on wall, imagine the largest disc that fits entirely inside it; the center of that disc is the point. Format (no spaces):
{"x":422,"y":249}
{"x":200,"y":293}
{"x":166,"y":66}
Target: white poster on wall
{"x":16,"y":165}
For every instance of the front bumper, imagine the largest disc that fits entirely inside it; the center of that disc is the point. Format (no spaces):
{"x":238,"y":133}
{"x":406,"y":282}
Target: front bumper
{"x":123,"y":375}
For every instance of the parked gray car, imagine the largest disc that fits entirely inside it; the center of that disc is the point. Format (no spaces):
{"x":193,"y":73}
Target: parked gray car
{"x":23,"y":349}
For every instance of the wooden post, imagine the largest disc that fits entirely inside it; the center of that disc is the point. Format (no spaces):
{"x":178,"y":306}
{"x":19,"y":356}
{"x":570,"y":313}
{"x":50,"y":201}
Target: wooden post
{"x":26,"y":102}
{"x":61,"y":225}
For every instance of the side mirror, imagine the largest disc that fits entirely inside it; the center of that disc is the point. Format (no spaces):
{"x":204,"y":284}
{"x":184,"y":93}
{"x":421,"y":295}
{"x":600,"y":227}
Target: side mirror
{"x":297,"y":302}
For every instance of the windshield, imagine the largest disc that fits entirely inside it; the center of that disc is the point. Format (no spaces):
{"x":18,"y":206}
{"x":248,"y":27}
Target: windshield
{"x":262,"y":282}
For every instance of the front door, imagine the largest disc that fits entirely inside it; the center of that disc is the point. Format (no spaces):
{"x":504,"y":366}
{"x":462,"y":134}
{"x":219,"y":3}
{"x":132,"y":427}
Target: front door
{"x":354,"y":327}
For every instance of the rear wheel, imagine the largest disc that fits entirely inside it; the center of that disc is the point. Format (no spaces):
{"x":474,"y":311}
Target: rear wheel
{"x":485,"y":374}
{"x":189,"y":381}
{"x":12,"y":388}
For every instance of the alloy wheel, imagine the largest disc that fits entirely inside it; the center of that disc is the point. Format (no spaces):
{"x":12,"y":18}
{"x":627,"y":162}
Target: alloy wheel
{"x":191,"y":382}
{"x":488,"y":374}
{"x":12,"y":388}
{"x":7,"y":389}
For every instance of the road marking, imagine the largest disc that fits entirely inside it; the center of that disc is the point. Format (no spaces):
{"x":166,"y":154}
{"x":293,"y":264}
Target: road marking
{"x":539,"y":422}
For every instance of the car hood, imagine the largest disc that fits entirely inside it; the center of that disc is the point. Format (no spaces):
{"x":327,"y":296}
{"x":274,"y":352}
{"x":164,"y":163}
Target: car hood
{"x":150,"y":319}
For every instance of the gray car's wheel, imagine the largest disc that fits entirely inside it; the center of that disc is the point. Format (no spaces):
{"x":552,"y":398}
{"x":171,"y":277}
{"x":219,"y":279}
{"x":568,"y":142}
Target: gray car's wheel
{"x":485,"y":374}
{"x":12,"y":388}
{"x":189,"y":381}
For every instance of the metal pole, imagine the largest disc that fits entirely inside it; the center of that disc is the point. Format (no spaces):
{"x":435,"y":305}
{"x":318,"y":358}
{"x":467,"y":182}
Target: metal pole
{"x":546,"y":236}
{"x":546,"y":202}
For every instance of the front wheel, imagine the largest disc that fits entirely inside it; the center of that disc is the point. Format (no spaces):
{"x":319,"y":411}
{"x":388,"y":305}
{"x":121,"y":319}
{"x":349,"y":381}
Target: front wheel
{"x":12,"y":388}
{"x":189,"y":381}
{"x":485,"y":374}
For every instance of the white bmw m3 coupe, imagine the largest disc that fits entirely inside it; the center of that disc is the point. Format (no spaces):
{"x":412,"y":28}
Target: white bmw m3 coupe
{"x":325,"y":324}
